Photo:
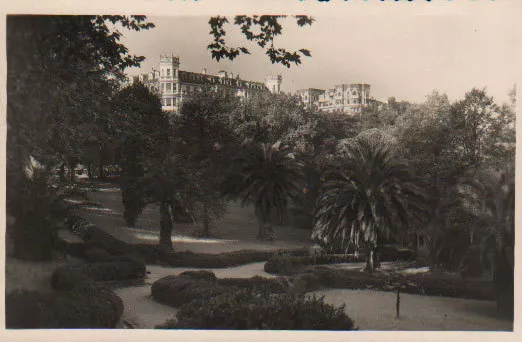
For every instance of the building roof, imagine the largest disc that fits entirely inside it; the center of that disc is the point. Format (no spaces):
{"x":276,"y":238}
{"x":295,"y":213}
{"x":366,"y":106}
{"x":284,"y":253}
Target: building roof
{"x":199,"y":78}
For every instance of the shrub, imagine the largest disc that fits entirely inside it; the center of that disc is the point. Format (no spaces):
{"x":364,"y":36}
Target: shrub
{"x":200,"y":275}
{"x":96,"y":254}
{"x":201,"y":260}
{"x":35,"y":201}
{"x":67,"y":277}
{"x":245,"y":309}
{"x":392,"y":253}
{"x":426,"y":283}
{"x":26,"y":309}
{"x":122,"y":268}
{"x":257,"y":283}
{"x":88,"y":306}
{"x":179,"y":290}
{"x":285,"y":264}
{"x":76,"y":249}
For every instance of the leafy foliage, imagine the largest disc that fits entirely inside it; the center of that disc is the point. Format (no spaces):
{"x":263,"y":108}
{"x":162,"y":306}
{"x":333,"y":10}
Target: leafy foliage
{"x":261,"y":30}
{"x":89,"y":306}
{"x":179,"y":290}
{"x":204,"y":144}
{"x":36,"y":203}
{"x":143,"y":131}
{"x":60,"y":77}
{"x":490,"y":196}
{"x":473,"y":119}
{"x":246,"y":310}
{"x":266,"y":176}
{"x":270,"y":117}
{"x":485,"y":202}
{"x":370,"y":195}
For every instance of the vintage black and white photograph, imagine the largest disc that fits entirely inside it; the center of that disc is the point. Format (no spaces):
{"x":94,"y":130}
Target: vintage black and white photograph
{"x":260,"y":172}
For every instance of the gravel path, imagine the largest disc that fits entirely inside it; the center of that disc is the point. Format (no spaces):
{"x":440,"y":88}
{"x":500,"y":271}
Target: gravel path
{"x":376,"y":310}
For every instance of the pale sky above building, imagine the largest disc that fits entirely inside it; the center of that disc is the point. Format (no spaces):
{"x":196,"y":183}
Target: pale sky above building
{"x":402,"y":56}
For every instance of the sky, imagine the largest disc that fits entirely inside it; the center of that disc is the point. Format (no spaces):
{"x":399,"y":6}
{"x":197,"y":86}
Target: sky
{"x":402,"y":56}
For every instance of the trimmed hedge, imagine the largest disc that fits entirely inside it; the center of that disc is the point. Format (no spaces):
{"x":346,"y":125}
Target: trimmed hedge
{"x":426,"y":284}
{"x":123,"y":268}
{"x":222,"y":260}
{"x":392,"y":253}
{"x":245,"y":309}
{"x":257,"y":283}
{"x":200,"y":275}
{"x":87,"y":306}
{"x":96,"y":254}
{"x":178,"y":290}
{"x":94,"y":236}
{"x":283,"y":264}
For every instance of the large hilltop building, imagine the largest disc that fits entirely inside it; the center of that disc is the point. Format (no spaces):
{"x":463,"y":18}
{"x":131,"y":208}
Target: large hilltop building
{"x":348,"y":98}
{"x":172,"y":84}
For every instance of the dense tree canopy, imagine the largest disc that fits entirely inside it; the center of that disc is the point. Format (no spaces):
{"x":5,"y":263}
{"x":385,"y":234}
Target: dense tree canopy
{"x":206,"y":143}
{"x":59,"y":82}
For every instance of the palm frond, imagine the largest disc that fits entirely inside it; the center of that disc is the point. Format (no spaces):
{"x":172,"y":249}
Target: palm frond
{"x":370,"y":194}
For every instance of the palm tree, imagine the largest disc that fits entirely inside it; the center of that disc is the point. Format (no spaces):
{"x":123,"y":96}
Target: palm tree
{"x":490,"y":196}
{"x":266,"y":176}
{"x":370,"y":195}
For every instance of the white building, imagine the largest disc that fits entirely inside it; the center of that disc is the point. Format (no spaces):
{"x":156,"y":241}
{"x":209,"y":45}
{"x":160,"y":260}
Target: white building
{"x":348,"y":98}
{"x":173,"y":84}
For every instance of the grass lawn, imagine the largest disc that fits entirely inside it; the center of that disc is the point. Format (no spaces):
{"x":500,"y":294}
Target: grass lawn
{"x":236,"y":231}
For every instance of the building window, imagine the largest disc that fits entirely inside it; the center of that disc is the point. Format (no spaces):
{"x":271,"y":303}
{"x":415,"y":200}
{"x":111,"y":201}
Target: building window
{"x":168,"y":72}
{"x":169,"y":87}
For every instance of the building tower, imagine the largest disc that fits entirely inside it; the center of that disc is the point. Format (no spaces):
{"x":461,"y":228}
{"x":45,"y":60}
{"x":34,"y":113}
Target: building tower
{"x":273,"y":83}
{"x":169,"y":74}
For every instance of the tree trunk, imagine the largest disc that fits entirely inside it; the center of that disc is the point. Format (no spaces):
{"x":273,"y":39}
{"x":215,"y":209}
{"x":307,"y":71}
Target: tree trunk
{"x":377,"y":258}
{"x":71,"y":173}
{"x":369,"y":260}
{"x":89,"y":170}
{"x":101,"y":174}
{"x":416,"y":245}
{"x":206,"y":222}
{"x":166,"y":224}
{"x":62,"y":173}
{"x":266,"y":231}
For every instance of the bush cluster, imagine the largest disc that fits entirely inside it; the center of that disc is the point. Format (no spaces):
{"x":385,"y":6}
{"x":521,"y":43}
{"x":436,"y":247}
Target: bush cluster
{"x":178,"y":290}
{"x":229,"y":259}
{"x":426,"y":284}
{"x":87,"y":306}
{"x":257,"y":283}
{"x":120,"y":268}
{"x":284,"y":264}
{"x":392,"y":253}
{"x":244,"y":309}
